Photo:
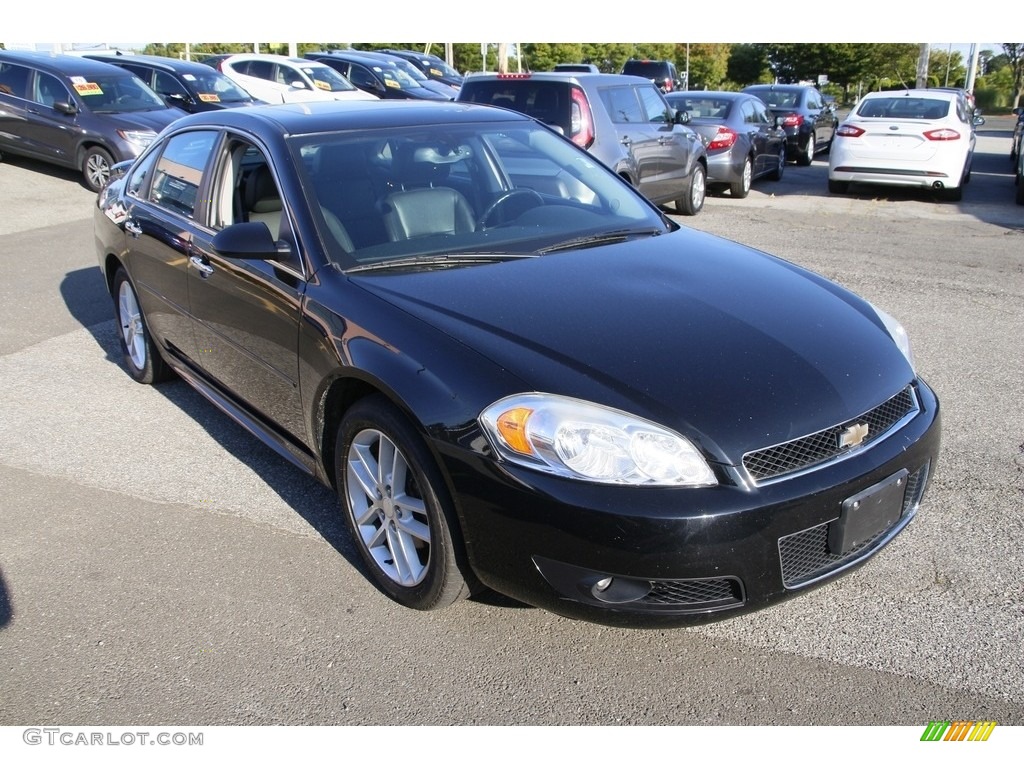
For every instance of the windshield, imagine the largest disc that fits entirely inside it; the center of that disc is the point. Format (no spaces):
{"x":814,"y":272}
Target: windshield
{"x":776,"y":98}
{"x":436,"y":67}
{"x":394,"y":76}
{"x":326,"y":79}
{"x":410,"y":70}
{"x":116,"y":93}
{"x":497,"y":189}
{"x":215,"y":87}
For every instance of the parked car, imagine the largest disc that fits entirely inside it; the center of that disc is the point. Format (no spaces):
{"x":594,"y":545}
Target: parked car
{"x":568,"y":67}
{"x":374,"y":75}
{"x":662,"y":73}
{"x":915,"y":138}
{"x":1018,"y":178}
{"x":1018,"y":132}
{"x":743,"y":142}
{"x":76,"y":113}
{"x":516,"y":371}
{"x":432,"y":66}
{"x":446,"y":92}
{"x":809,"y":124}
{"x":282,"y":79}
{"x":189,"y":85}
{"x":623,"y":121}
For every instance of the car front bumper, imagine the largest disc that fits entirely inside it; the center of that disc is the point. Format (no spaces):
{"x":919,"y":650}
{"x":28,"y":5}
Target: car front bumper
{"x":672,"y":557}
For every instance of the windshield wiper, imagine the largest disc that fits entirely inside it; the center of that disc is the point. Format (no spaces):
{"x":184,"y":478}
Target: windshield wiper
{"x":442,"y":260}
{"x":604,"y":238}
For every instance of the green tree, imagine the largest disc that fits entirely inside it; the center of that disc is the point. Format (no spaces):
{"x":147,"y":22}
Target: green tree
{"x":1015,"y":60}
{"x":748,"y":64}
{"x":709,"y":63}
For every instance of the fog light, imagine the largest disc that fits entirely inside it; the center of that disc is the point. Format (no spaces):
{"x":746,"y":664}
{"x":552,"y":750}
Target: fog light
{"x":603,"y":584}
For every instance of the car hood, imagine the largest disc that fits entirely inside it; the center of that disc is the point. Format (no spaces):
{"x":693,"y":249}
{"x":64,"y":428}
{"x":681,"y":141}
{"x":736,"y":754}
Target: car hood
{"x":152,"y":120}
{"x":732,"y":347}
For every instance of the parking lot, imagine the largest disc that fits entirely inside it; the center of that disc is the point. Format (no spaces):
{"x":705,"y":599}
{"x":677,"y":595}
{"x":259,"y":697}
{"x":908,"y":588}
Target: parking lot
{"x":158,"y":565}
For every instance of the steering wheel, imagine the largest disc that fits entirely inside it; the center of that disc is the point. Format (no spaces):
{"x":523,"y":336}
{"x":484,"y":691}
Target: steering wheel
{"x":534,"y":200}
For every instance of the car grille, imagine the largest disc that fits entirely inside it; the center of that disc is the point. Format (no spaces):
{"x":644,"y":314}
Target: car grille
{"x":806,"y":452}
{"x":805,"y":556}
{"x":695,"y":594}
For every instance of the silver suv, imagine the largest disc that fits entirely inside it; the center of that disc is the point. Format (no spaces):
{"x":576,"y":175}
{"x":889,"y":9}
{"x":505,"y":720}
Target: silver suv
{"x":623,"y":121}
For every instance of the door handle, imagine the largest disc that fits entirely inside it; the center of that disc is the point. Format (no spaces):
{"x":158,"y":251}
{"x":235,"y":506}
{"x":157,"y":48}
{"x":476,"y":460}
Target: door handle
{"x":132,"y":227}
{"x":625,"y":141}
{"x":205,"y":269}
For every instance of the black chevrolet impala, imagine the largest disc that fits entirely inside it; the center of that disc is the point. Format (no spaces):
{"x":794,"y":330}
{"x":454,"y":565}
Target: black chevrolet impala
{"x":517,"y":373}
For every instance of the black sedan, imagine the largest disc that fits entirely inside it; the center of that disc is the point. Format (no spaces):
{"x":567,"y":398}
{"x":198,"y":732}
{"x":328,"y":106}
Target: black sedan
{"x":809,"y":123}
{"x":743,"y":141}
{"x":516,"y":372}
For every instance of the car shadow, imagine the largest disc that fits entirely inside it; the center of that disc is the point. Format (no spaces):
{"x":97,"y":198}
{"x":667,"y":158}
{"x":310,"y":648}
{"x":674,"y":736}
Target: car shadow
{"x":88,"y":302}
{"x":38,"y":166}
{"x":6,"y":609}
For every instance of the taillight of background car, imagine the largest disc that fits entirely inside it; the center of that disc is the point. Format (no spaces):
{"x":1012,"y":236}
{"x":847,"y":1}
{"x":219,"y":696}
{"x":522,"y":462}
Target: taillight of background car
{"x":792,"y":121}
{"x":850,"y":131}
{"x":723,"y":139}
{"x":582,"y":120}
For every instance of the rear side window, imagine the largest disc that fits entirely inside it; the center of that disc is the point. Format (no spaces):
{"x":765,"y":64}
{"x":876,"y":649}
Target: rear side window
{"x":14,"y":80}
{"x":622,"y":105}
{"x":179,"y":172}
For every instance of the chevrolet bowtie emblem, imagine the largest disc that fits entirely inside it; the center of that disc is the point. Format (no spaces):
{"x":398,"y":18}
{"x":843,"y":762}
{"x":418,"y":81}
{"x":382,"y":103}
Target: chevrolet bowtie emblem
{"x":853,"y":435}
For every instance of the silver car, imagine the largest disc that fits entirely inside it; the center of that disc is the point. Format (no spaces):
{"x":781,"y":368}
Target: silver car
{"x":623,"y":121}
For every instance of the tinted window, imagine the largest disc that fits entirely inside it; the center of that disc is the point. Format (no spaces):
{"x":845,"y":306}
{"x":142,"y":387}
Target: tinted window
{"x":654,"y":106}
{"x":622,"y":105}
{"x":48,"y":90}
{"x":116,"y":93}
{"x":14,"y":80}
{"x":546,"y":101}
{"x":137,"y":184}
{"x":179,"y":172}
{"x":169,"y":85}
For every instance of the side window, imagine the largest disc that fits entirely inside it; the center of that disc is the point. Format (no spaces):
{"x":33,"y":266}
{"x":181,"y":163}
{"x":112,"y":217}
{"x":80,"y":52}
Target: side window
{"x":290,"y":77}
{"x":747,"y":110}
{"x":168,"y":85}
{"x":813,"y":102}
{"x":179,"y":172}
{"x":145,"y":74}
{"x":622,"y":105}
{"x":137,"y":184}
{"x":14,"y":80}
{"x":261,"y":69}
{"x":760,"y":115}
{"x":48,"y":90}
{"x":655,"y":108}
{"x":361,"y":77}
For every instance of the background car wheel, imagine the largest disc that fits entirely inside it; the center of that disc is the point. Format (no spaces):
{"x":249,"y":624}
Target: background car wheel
{"x":141,"y":357}
{"x":96,"y":164}
{"x":696,"y":190}
{"x":838,"y":187}
{"x":741,"y":188}
{"x":807,"y":156}
{"x":776,"y":175}
{"x":397,"y":508}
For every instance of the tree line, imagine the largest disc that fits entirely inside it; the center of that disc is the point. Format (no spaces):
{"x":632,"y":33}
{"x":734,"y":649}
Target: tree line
{"x":845,"y":70}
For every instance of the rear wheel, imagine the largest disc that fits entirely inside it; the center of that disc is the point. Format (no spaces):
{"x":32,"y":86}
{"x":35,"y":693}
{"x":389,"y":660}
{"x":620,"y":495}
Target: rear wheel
{"x":397,"y":507}
{"x":741,"y":188}
{"x":696,"y":190}
{"x":776,"y":175}
{"x":807,"y":156}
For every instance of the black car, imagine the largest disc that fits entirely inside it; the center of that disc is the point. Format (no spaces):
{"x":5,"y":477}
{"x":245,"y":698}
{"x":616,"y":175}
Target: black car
{"x":808,"y":122}
{"x":517,"y":372}
{"x":76,"y":113}
{"x":1018,"y":134}
{"x":188,"y":85}
{"x":743,"y":142}
{"x":432,"y":66}
{"x":375,"y":75}
{"x":662,"y":73}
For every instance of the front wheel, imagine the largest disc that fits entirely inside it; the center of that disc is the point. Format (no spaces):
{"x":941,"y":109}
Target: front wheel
{"x":696,"y":190}
{"x":96,"y":163}
{"x":397,"y":508}
{"x":741,"y":188}
{"x":141,"y":356}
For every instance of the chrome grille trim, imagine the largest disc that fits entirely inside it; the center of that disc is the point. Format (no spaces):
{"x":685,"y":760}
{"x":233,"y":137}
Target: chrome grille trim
{"x":793,"y":457}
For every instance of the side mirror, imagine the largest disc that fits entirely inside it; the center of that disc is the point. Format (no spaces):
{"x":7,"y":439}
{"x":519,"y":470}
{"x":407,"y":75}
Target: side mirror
{"x":67,"y":107}
{"x":298,"y":85}
{"x":248,"y":240}
{"x":682,"y":117}
{"x":978,"y":119}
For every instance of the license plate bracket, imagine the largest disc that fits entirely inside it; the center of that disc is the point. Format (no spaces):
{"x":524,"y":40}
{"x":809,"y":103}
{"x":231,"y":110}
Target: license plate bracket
{"x":868,"y":513}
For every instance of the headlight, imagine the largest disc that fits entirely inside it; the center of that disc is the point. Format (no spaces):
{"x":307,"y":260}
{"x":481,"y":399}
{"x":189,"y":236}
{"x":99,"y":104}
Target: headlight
{"x":898,"y":334}
{"x":140,"y":139}
{"x":585,"y":441}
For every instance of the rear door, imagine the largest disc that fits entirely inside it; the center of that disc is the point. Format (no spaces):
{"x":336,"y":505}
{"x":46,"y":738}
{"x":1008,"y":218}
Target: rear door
{"x":14,"y":89}
{"x":638,"y":137}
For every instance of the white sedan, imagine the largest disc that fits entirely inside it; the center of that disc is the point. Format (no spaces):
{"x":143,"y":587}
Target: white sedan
{"x":914,"y":138}
{"x":284,"y":80}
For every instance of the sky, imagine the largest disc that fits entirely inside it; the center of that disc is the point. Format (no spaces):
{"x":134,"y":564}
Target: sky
{"x":471,"y":20}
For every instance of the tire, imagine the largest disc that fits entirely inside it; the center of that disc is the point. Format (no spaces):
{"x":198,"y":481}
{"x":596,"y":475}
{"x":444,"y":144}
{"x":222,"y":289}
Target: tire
{"x":776,"y":175}
{"x":838,"y":187}
{"x":741,"y":188}
{"x":1020,"y":190}
{"x":96,"y":163}
{"x":807,"y":156}
{"x":696,"y":191}
{"x":404,"y":534}
{"x":141,"y":357}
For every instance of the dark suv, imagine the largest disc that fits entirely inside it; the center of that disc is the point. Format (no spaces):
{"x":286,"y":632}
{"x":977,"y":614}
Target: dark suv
{"x":809,"y":123}
{"x":623,"y":121}
{"x":77,"y":113}
{"x":189,"y":85}
{"x":662,"y":73}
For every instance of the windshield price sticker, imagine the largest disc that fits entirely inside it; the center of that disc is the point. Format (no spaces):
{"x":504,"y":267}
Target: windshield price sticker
{"x":209,"y":97}
{"x":88,"y":89}
{"x":323,"y":86}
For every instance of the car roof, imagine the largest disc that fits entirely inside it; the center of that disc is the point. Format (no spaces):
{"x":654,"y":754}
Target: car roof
{"x":707,"y":94}
{"x":274,"y":57}
{"x":583,"y":78}
{"x":331,"y":116}
{"x":778,"y":87}
{"x":62,"y":63}
{"x":160,"y":62}
{"x":357,"y":56}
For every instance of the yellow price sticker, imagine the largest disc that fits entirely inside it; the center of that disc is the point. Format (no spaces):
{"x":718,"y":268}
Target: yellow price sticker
{"x":392,"y":83}
{"x":209,"y":97}
{"x":88,"y":89}
{"x":323,"y":86}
